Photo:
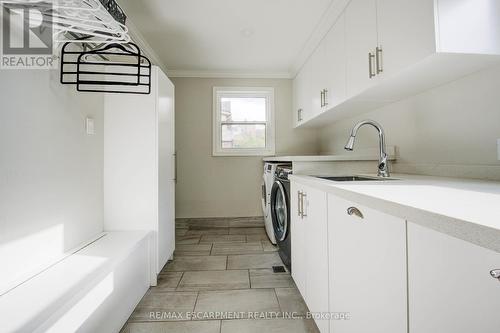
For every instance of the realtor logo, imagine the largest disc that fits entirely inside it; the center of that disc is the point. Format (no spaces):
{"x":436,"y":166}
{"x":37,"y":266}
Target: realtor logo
{"x":27,"y":35}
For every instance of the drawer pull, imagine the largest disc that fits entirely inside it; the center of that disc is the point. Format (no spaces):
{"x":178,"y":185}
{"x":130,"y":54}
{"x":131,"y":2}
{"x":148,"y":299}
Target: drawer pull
{"x":495,"y":274}
{"x":371,"y":72}
{"x":354,"y":211}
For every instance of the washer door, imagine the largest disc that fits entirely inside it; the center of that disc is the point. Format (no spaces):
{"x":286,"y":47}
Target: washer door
{"x":279,"y":211}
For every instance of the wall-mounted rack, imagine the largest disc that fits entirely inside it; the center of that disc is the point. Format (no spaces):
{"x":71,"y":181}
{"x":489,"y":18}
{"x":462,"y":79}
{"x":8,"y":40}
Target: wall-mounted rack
{"x":108,"y":68}
{"x":103,"y":21}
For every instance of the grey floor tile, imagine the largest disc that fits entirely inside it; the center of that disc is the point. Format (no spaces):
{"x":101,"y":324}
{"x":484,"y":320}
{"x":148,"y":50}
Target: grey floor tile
{"x":208,"y":231}
{"x":266,"y":278}
{"x":250,"y":261}
{"x":165,"y":303}
{"x":167,"y":281}
{"x":247,"y":231}
{"x":257,"y":238}
{"x":223,"y":239}
{"x":268,"y":246}
{"x":269,"y":325}
{"x":196,"y":263}
{"x":214,"y":280}
{"x":291,"y":301}
{"x":181,"y":231}
{"x":187,"y":239}
{"x":193,"y":250}
{"x":212,"y":326}
{"x":236,"y":248}
{"x":181,"y":223}
{"x":246,"y":222}
{"x":209,"y":223}
{"x":249,"y":300}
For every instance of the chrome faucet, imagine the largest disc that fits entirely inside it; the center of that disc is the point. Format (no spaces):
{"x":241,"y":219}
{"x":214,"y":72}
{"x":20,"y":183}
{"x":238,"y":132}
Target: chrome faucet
{"x":383,"y":164}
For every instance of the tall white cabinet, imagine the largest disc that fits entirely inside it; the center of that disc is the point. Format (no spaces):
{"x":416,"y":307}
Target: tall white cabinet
{"x":139,"y":165}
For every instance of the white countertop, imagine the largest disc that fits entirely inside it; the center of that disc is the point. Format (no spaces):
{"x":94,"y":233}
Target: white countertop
{"x":466,"y":209}
{"x":323,"y":158}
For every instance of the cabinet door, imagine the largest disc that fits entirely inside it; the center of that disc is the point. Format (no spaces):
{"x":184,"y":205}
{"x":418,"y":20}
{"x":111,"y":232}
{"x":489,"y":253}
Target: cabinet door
{"x":406,"y":33}
{"x":297,"y":225}
{"x":361,"y":39}
{"x":367,"y":269}
{"x":318,"y":63}
{"x":335,"y":64}
{"x":303,"y":91}
{"x":450,"y":287}
{"x":315,"y":202}
{"x":166,"y":169}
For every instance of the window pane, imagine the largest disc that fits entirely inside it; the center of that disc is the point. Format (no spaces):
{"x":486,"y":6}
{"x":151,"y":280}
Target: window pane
{"x":243,"y":108}
{"x":243,"y":136}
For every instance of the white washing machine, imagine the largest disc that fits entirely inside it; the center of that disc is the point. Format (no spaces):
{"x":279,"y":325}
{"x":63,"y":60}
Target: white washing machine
{"x":267,"y":185}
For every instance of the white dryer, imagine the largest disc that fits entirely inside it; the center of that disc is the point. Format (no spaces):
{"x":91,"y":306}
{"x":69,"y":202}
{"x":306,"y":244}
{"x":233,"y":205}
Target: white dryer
{"x":267,"y":185}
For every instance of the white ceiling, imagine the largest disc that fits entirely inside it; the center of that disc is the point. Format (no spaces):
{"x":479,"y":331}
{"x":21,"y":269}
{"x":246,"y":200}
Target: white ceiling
{"x":248,"y":37}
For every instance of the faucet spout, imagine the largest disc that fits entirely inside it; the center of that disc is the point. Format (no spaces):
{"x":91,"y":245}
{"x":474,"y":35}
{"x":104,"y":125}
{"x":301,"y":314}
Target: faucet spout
{"x":383,"y":165}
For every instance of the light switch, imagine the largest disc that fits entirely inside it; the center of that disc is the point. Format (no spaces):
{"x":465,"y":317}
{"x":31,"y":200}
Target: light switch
{"x":89,"y":126}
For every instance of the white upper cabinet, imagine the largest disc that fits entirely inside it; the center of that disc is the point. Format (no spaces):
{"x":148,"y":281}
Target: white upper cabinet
{"x":318,"y":60}
{"x":405,"y":34}
{"x":367,"y":255}
{"x":449,"y":283}
{"x":321,"y":83}
{"x":360,"y":44}
{"x":303,"y":103}
{"x":393,"y":49}
{"x":468,"y":26}
{"x":335,"y":64}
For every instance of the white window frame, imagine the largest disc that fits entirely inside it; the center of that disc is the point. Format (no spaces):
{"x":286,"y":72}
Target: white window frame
{"x":258,"y":92}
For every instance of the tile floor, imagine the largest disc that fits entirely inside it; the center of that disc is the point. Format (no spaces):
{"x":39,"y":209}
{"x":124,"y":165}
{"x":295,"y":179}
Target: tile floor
{"x":222,"y":267}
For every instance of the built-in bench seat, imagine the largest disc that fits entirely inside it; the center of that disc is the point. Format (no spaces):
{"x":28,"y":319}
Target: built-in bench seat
{"x":94,"y":290}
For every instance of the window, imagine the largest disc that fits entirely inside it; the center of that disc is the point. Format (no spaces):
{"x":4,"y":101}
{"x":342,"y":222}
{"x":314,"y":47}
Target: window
{"x":243,"y":121}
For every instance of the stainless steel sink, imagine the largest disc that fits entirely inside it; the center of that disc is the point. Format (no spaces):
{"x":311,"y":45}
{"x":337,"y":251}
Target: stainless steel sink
{"x":354,"y":178}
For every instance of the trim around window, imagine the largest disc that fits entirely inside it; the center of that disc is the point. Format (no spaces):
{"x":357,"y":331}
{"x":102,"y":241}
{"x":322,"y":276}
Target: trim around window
{"x":269,"y":123}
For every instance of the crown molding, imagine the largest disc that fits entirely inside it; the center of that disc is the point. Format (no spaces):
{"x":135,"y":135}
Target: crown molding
{"x":229,"y":74}
{"x":326,"y":22}
{"x":139,"y":39}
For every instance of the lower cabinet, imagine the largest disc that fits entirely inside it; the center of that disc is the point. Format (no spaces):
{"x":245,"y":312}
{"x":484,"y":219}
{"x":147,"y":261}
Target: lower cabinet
{"x":367,"y":263}
{"x":310,"y":249}
{"x":373,"y":272}
{"x":450,"y":286}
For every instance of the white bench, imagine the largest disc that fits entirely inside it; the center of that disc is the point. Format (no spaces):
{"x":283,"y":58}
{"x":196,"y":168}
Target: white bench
{"x":94,"y":290}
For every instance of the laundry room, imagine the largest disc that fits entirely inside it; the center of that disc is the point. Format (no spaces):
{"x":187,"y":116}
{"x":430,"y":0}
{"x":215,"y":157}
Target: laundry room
{"x":233,"y":166}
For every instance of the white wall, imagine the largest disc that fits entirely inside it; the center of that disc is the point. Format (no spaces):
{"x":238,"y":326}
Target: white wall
{"x":210,"y":186}
{"x":451,"y":130}
{"x":51,"y":174}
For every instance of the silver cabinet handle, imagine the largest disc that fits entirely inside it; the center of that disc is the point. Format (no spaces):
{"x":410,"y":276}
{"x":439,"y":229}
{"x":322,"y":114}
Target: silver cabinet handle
{"x":299,"y":114}
{"x":380,"y":64}
{"x":322,"y":98}
{"x":303,"y":213}
{"x":175,"y":167}
{"x":371,"y":56}
{"x":325,"y":97}
{"x":354,"y":211}
{"x":299,"y":198}
{"x":495,"y":274}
